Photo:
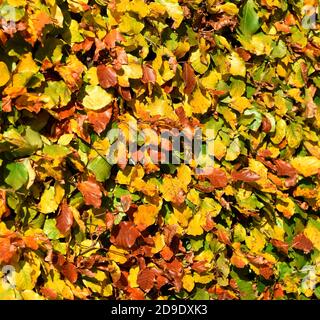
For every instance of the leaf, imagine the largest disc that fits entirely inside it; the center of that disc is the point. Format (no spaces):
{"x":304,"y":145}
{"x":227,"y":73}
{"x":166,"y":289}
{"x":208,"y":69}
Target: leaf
{"x":127,"y":235}
{"x":69,"y":270}
{"x":51,"y":199}
{"x":5,"y":74}
{"x":107,"y":76}
{"x":145,"y":216}
{"x":7,"y":250}
{"x":249,"y":19}
{"x":17,"y":176}
{"x":91,"y":192}
{"x":64,"y":221}
{"x":301,"y":242}
{"x":294,"y":135}
{"x":307,"y":166}
{"x":245,"y":175}
{"x":100,"y":119}
{"x":146,"y":279}
{"x":96,"y":98}
{"x":188,"y":282}
{"x":217,"y":177}
{"x":189,"y":78}
{"x":312,"y":232}
{"x":149,"y":75}
{"x":101,"y":168}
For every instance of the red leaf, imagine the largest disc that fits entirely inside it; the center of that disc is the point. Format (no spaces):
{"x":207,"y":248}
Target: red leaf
{"x":301,"y":242}
{"x":189,"y":78}
{"x":112,"y":37}
{"x":245,"y":175}
{"x":69,"y":270}
{"x":64,"y":220}
{"x":107,"y":76}
{"x":217,"y":177}
{"x":146,"y":279}
{"x":127,"y":235}
{"x":99,"y":119}
{"x":91,"y":192}
{"x":149,"y":75}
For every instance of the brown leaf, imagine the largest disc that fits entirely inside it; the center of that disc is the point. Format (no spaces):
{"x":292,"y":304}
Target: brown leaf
{"x":125,"y":93}
{"x":99,"y":119}
{"x":280,"y":245}
{"x":69,"y":270}
{"x":266,"y":125}
{"x":200,"y":266}
{"x":189,"y":78}
{"x":216,"y":176}
{"x":166,"y":253}
{"x":107,"y":76}
{"x":146,"y":278}
{"x":64,"y":220}
{"x":284,"y":168}
{"x":266,"y":272}
{"x":91,"y":192}
{"x":149,"y":75}
{"x":126,"y":202}
{"x":245,"y":175}
{"x":301,"y":242}
{"x":127,"y":235}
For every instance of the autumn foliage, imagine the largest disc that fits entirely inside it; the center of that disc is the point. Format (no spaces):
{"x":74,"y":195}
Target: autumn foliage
{"x":75,"y":226}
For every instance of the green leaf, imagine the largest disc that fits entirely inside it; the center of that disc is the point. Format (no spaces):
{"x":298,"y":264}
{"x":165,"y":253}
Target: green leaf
{"x":249,"y":20}
{"x":101,"y":168}
{"x":18,"y":175}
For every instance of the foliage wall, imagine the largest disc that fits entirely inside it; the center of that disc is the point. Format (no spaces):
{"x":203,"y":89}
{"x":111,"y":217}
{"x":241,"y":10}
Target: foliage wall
{"x":74,"y":226}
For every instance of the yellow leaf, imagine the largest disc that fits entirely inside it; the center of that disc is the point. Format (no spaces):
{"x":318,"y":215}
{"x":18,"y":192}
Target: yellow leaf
{"x":240,"y":104}
{"x":210,"y":81}
{"x":174,"y":11}
{"x":286,"y":206}
{"x":237,"y":65}
{"x":194,"y":228}
{"x":159,"y":243}
{"x":51,"y":199}
{"x":203,"y":278}
{"x":256,"y":241}
{"x":307,"y":166}
{"x":312,"y":232}
{"x":188,"y":282}
{"x":30,"y":295}
{"x":5,"y":74}
{"x":200,"y":103}
{"x":133,"y":276}
{"x":117,"y":254}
